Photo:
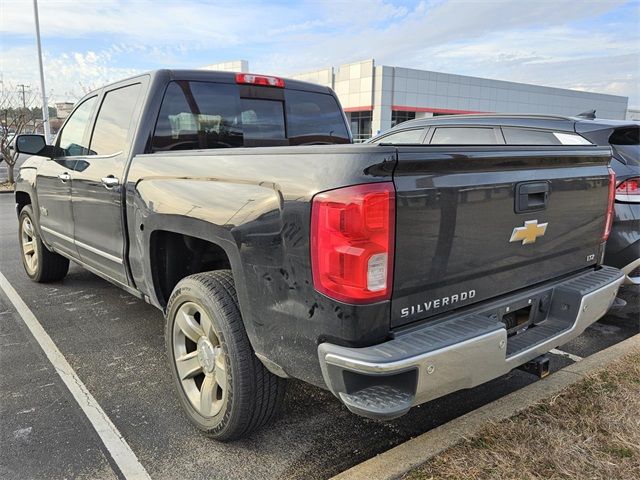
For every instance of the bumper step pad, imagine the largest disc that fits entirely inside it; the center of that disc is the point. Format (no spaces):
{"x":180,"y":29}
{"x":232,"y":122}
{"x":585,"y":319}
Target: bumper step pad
{"x":378,"y":400}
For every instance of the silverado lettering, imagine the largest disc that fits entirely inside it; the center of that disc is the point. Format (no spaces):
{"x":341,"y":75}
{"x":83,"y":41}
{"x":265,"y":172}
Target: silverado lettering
{"x":437,"y":303}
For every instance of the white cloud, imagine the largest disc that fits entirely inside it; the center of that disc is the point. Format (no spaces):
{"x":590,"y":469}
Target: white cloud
{"x":68,"y":76}
{"x":556,"y":43}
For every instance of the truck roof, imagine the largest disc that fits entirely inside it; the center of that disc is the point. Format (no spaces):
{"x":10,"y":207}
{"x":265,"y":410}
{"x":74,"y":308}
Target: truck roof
{"x":214,"y":76}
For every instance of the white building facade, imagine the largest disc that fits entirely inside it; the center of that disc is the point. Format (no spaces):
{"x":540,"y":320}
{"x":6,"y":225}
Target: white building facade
{"x":377,"y":97}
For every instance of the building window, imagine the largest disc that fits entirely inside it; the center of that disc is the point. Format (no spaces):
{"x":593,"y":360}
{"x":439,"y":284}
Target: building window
{"x":399,"y":117}
{"x":360,"y":125}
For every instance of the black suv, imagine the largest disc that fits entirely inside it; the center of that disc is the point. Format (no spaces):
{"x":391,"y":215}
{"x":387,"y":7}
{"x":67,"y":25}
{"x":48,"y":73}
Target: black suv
{"x":623,"y":246}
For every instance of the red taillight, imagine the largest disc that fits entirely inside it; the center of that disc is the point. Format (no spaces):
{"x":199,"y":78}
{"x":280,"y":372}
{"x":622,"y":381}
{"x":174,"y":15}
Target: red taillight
{"x":352,"y":234}
{"x":612,"y":193}
{"x":251,"y":79}
{"x":629,"y":190}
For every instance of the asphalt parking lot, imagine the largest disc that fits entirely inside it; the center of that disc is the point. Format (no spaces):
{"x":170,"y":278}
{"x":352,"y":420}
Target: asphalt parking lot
{"x":114,"y":342}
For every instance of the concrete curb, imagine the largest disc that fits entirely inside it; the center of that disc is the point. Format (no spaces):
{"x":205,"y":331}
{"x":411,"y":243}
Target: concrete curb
{"x":399,"y":460}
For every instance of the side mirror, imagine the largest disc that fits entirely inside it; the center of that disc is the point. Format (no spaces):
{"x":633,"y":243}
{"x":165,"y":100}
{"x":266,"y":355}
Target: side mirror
{"x":33,"y":144}
{"x":30,"y":144}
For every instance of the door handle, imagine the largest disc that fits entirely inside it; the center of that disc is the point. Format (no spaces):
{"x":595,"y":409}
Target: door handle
{"x":64,"y":177}
{"x":110,"y":181}
{"x":532,"y":196}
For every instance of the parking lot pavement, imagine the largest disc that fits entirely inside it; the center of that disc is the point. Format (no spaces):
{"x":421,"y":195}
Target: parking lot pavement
{"x":114,"y":342}
{"x":43,"y":432}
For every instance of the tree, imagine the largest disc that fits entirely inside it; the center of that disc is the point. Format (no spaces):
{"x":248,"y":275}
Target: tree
{"x":18,"y":113}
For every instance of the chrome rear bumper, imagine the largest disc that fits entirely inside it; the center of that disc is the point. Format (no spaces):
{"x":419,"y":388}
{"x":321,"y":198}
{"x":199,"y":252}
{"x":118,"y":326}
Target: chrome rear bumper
{"x":386,"y":380}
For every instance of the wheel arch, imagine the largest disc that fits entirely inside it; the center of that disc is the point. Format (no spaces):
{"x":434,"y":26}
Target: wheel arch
{"x":181,"y":240}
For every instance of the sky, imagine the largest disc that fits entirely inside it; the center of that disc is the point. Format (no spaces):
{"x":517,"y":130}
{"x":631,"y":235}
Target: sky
{"x":579,"y":44}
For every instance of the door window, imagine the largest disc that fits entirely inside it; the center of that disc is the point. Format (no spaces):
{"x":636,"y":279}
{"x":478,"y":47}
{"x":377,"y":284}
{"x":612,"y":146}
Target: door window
{"x":71,"y":138}
{"x":464,"y":136}
{"x":114,"y":120}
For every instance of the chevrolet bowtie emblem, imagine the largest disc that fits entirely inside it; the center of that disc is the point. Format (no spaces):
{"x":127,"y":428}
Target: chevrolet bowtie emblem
{"x":529,"y":232}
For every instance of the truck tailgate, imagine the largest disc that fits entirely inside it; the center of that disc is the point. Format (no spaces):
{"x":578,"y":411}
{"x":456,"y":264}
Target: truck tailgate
{"x":456,"y":215}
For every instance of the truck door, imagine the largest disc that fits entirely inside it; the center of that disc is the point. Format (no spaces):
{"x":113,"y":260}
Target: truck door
{"x":55,"y":178}
{"x":97,"y":192}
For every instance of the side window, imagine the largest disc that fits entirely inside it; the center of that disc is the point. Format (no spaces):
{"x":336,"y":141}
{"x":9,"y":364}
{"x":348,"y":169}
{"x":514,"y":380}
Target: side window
{"x":198,"y":115}
{"x":71,"y":138}
{"x":405,"y":136}
{"x":114,"y":119}
{"x":464,"y":136}
{"x":529,"y":136}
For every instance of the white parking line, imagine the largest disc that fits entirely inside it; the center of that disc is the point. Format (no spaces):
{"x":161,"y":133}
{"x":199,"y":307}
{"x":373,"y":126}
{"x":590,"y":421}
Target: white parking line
{"x":117,"y":446}
{"x":570,"y":356}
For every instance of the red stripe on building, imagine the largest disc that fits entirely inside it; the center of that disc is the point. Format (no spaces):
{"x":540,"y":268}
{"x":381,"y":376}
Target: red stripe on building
{"x":366,"y":108}
{"x":403,"y":108}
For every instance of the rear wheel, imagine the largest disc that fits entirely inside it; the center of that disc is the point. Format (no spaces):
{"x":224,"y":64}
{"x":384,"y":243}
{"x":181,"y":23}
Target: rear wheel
{"x":39,"y":262}
{"x":223,"y":387}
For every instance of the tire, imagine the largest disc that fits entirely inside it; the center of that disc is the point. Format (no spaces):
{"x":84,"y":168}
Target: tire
{"x":40,"y":264}
{"x":223,"y":387}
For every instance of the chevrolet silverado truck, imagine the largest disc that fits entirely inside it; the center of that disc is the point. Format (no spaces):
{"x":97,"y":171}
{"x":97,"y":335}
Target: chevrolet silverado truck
{"x":389,"y":274}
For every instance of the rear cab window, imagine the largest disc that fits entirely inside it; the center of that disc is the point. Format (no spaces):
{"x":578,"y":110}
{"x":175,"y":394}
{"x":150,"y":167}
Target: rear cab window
{"x":201,"y":115}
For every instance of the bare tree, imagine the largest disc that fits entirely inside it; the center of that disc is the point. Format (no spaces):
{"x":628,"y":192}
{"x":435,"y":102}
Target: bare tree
{"x":17,"y":114}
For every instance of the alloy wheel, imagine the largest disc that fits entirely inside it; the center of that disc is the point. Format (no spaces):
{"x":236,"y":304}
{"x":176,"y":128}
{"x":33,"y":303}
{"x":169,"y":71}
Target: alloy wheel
{"x":199,"y":359}
{"x":28,"y":243}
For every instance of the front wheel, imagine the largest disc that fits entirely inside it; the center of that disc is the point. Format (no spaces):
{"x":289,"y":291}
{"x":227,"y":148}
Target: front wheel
{"x":41,"y":264}
{"x":222,"y":386}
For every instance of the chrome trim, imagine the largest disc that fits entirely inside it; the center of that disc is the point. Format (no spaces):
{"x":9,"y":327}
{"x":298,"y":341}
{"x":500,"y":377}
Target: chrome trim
{"x":106,"y":255}
{"x":469,"y":363}
{"x":57,"y":234}
{"x":110,"y":182}
{"x":106,"y":277}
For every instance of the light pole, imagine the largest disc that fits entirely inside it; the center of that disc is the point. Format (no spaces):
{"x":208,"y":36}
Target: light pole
{"x":45,"y":105}
{"x":22,"y":87}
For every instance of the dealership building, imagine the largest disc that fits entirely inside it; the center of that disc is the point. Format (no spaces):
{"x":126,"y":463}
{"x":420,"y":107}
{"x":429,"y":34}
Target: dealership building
{"x":377,"y":97}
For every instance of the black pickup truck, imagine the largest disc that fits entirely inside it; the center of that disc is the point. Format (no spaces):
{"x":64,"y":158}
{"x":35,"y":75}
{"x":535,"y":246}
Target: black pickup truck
{"x":389,"y":274}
